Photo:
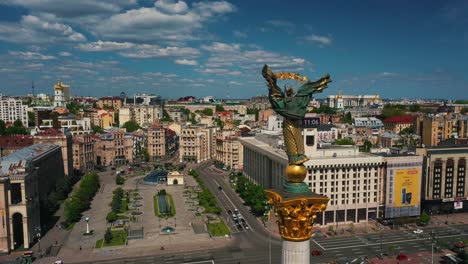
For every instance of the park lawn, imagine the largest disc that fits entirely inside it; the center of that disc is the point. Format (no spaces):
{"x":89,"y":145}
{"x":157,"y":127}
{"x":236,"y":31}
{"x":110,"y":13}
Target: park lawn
{"x":156,"y":207}
{"x":218,"y":229}
{"x":118,"y":238}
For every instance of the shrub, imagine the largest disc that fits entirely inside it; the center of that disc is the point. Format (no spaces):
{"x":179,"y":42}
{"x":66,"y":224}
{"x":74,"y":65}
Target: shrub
{"x":111,"y":217}
{"x":108,"y":236}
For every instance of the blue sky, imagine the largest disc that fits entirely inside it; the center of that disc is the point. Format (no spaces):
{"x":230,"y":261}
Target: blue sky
{"x":175,"y":48}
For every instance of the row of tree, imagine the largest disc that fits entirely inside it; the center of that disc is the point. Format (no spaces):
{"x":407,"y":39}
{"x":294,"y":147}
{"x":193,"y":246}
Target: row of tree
{"x":116,"y":204}
{"x":81,"y":198}
{"x":205,"y":197}
{"x":16,"y":129}
{"x":253,"y":195}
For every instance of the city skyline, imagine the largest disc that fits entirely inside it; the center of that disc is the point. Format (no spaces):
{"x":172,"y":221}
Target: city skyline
{"x":177,"y":48}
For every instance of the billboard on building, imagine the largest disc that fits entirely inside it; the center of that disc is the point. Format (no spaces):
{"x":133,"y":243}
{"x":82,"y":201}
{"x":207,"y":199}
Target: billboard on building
{"x":458,"y":205}
{"x":406,"y":188}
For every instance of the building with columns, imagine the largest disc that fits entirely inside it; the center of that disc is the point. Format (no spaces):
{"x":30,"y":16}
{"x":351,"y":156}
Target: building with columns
{"x":27,"y":177}
{"x":343,"y":101}
{"x":444,"y":187}
{"x":353,"y":180}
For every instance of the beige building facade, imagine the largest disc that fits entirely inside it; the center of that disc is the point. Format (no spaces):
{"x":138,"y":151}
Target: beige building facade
{"x":144,"y":115}
{"x":27,"y":177}
{"x":83,"y":153}
{"x":156,"y":142}
{"x":196,"y":143}
{"x":229,"y":150}
{"x":114,"y":148}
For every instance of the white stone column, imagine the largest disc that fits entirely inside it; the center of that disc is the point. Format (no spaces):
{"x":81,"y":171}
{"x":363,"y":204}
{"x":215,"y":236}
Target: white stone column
{"x":296,"y":252}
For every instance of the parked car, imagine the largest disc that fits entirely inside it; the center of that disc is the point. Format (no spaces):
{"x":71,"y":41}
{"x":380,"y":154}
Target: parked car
{"x":316,"y":253}
{"x":418,"y":231}
{"x":402,"y":256}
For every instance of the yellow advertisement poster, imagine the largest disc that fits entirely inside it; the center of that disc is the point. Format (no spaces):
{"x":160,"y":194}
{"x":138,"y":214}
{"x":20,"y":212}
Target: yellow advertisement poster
{"x":406,"y":191}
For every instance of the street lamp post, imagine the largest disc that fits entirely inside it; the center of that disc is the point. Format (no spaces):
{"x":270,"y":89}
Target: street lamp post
{"x":433,"y":241}
{"x":87,"y":224}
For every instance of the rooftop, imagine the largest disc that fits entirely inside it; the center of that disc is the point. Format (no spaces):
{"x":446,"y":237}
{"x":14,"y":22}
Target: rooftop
{"x":399,"y":119}
{"x":19,"y":160}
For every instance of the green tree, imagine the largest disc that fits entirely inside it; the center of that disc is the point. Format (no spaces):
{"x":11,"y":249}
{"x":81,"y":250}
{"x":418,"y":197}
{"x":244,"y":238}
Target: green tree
{"x":2,"y":128}
{"x":348,"y":118}
{"x":131,"y":126}
{"x":116,"y":119}
{"x":393,"y":110}
{"x":324,"y":109}
{"x":414,"y":108}
{"x":31,"y":118}
{"x":424,"y":218}
{"x":111,"y":217}
{"x":253,"y":111}
{"x":219,"y":108}
{"x":97,"y":129}
{"x":219,"y":123}
{"x":74,"y":107}
{"x":344,"y":141}
{"x":407,"y":130}
{"x":108,"y":236}
{"x":207,"y":112}
{"x":16,"y":129}
{"x":367,"y":146}
{"x":145,"y":153}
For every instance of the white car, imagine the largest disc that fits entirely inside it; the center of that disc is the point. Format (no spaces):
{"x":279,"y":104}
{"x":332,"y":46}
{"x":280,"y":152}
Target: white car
{"x":418,"y":231}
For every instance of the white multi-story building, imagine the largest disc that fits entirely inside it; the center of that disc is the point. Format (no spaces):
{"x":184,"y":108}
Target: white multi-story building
{"x":341,"y":101}
{"x":144,"y":115}
{"x":352,"y":180}
{"x":12,"y":109}
{"x":61,"y":94}
{"x":74,"y":125}
{"x":275,"y":122}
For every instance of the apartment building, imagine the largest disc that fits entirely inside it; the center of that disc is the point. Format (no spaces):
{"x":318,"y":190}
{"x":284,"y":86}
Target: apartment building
{"x":12,"y":109}
{"x":396,"y":124}
{"x":83,"y":153}
{"x":144,"y":115}
{"x":229,"y":149}
{"x":114,"y":148}
{"x":196,"y":143}
{"x":113,"y":102}
{"x":440,"y":127}
{"x":156,"y":142}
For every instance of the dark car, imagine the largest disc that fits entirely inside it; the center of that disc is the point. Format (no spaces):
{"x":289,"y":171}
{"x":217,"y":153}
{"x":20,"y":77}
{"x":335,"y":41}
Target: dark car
{"x":402,"y":256}
{"x":316,"y":253}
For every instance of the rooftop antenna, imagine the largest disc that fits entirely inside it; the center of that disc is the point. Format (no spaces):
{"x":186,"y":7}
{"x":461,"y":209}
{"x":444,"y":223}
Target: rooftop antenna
{"x":32,"y":87}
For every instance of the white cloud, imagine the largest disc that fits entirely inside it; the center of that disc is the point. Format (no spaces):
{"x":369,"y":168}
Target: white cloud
{"x":171,"y":7}
{"x":299,"y":60}
{"x":72,"y":8}
{"x":323,"y":40}
{"x":387,"y":74}
{"x":234,"y":83}
{"x":210,"y":71}
{"x":153,"y":51}
{"x":239,"y":34}
{"x":27,"y":55}
{"x":168,"y":22}
{"x":221,"y":47}
{"x":105,"y":46}
{"x":235,"y":73}
{"x":283,"y":24}
{"x":35,"y":29}
{"x":186,"y":62}
{"x":65,"y":54}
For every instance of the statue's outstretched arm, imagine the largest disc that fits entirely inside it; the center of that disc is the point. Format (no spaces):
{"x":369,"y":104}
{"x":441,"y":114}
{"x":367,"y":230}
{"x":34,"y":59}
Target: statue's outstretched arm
{"x":273,"y":89}
{"x":318,"y":86}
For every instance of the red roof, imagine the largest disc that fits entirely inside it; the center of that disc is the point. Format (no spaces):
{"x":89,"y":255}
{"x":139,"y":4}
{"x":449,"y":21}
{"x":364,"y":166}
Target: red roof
{"x":224,"y":113}
{"x":50,"y":132}
{"x":399,"y":119}
{"x":16,"y":141}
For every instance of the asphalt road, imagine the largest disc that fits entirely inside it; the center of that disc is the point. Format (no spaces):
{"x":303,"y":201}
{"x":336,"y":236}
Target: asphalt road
{"x":253,"y":245}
